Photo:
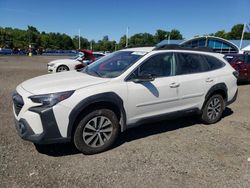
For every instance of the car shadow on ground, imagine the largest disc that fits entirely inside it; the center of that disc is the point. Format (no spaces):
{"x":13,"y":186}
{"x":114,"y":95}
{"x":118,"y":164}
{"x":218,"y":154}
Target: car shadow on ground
{"x":149,"y":129}
{"x":142,"y":131}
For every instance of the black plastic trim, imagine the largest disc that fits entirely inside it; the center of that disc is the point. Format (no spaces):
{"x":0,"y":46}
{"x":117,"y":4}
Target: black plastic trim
{"x":17,"y":102}
{"x":181,"y":47}
{"x":27,"y":133}
{"x":110,"y":97}
{"x":217,"y":87}
{"x":233,"y":99}
{"x":51,"y":133}
{"x":166,"y":116}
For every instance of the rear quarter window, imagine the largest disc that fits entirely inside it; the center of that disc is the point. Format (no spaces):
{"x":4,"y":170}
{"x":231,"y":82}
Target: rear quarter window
{"x":213,"y":62}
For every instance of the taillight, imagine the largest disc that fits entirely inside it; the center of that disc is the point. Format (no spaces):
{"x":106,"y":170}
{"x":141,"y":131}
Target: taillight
{"x":236,"y":74}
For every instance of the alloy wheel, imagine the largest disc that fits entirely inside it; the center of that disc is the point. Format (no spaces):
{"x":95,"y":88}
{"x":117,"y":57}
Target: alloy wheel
{"x":97,"y":131}
{"x":214,"y":109}
{"x":62,"y":69}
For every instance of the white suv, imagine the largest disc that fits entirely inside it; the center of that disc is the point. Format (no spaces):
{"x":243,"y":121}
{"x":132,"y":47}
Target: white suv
{"x":124,"y":89}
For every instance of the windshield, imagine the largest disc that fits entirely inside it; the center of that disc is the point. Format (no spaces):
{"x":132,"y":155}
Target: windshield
{"x":113,"y":65}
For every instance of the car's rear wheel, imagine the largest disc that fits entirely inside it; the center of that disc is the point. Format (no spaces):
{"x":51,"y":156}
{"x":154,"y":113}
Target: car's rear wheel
{"x":62,"y":68}
{"x":96,"y":132}
{"x":213,"y":109}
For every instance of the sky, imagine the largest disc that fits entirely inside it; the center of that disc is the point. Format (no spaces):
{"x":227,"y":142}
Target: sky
{"x":96,"y":19}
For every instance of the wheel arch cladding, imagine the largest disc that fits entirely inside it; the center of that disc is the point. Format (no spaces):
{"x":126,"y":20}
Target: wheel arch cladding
{"x":109,"y":100}
{"x":219,"y":88}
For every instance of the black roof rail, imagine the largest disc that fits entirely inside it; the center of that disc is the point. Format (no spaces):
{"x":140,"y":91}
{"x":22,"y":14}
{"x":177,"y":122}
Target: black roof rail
{"x":180,"y":47}
{"x":137,"y":46}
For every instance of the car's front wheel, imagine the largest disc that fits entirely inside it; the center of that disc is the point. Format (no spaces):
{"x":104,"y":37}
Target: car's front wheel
{"x":213,"y":109}
{"x":62,"y":68}
{"x":96,"y":132}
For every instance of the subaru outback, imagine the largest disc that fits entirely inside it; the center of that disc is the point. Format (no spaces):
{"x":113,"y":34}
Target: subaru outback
{"x":129,"y":87}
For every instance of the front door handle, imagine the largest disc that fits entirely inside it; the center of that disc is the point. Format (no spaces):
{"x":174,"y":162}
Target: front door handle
{"x":209,"y":80}
{"x":174,"y":85}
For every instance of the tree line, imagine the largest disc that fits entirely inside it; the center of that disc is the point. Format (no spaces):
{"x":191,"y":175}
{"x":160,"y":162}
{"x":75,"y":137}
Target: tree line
{"x":14,"y":38}
{"x":234,"y":34}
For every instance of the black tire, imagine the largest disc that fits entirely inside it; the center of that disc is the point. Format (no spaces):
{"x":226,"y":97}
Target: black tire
{"x":213,"y":109}
{"x":62,"y":68}
{"x":98,"y":141}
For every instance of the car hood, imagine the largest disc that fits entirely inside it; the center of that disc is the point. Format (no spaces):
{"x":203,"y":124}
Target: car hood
{"x":62,"y":61}
{"x":59,"y":82}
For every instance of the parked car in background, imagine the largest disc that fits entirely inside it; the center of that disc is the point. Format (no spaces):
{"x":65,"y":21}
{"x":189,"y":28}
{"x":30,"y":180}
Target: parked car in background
{"x":4,"y":51}
{"x":20,"y":52}
{"x":61,"y":65}
{"x":93,"y":56}
{"x":84,"y":58}
{"x":122,"y":90}
{"x":98,"y":55}
{"x":241,"y":63}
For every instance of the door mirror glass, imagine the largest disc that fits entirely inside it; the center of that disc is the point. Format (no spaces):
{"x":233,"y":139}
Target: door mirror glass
{"x":144,"y":77}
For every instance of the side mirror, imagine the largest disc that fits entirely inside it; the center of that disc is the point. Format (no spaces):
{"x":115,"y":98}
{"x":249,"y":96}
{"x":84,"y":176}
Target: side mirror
{"x":143,"y":78}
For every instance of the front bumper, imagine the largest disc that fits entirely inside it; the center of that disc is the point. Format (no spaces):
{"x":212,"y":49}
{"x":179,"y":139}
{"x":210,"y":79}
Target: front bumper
{"x":51,"y":69}
{"x":35,"y":123}
{"x":50,"y":134}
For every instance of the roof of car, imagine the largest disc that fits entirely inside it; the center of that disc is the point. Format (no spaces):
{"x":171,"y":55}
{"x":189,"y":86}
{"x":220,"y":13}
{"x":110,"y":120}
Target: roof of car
{"x":188,"y":50}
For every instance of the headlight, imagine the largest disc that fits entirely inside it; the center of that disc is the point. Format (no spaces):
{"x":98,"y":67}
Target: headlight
{"x":51,"y":99}
{"x":51,"y":64}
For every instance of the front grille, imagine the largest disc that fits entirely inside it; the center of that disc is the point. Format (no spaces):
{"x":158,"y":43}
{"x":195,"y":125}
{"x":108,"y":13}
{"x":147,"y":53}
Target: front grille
{"x":18,"y":102}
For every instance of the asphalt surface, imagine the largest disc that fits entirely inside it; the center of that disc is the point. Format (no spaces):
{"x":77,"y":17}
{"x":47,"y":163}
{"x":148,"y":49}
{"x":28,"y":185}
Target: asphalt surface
{"x":173,"y":153}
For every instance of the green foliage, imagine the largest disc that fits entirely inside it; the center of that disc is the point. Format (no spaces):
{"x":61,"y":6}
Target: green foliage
{"x":221,"y":34}
{"x":175,"y":35}
{"x":122,"y":42}
{"x":141,"y":39}
{"x":21,"y":39}
{"x":234,"y":34}
{"x":160,"y":35}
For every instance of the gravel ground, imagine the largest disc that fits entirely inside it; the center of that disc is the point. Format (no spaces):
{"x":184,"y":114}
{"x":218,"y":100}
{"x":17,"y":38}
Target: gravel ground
{"x":173,"y":153}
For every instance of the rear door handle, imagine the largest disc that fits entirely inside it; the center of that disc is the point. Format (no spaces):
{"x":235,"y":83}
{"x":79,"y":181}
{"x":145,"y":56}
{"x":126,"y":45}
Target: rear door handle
{"x":209,"y":80}
{"x":174,"y":85}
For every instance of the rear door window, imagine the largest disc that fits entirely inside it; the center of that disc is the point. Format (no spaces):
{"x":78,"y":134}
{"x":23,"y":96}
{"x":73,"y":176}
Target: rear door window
{"x":188,"y":63}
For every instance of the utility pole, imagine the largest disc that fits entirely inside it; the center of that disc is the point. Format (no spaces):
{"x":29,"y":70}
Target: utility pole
{"x":79,"y":39}
{"x":127,"y":37}
{"x":242,"y":36}
{"x":91,"y":47}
